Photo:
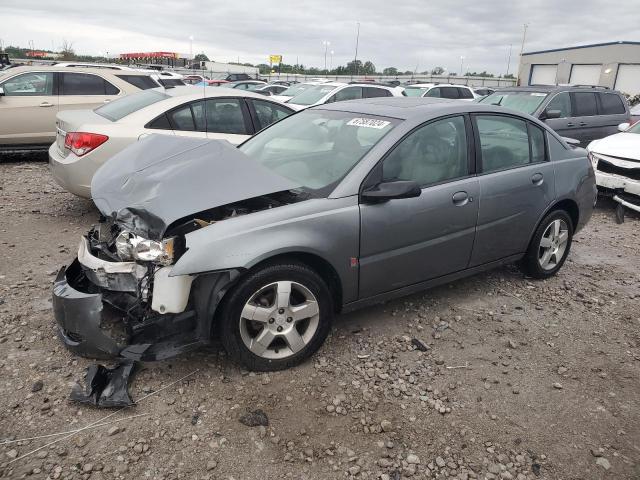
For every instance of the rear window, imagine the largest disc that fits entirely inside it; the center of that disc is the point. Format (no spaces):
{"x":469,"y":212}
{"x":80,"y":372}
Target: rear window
{"x":143,"y":82}
{"x":131,"y":103}
{"x":611,"y":104}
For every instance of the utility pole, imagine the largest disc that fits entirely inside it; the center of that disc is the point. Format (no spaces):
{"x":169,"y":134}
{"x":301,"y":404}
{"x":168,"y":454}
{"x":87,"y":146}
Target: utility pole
{"x":509,"y":59}
{"x":326,"y":44}
{"x":331,"y":60}
{"x":355,"y":59}
{"x":524,"y":37}
{"x":461,"y":65}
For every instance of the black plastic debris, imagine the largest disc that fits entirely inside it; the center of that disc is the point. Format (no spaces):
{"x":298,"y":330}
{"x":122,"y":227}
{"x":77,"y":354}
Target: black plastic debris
{"x":106,"y":387}
{"x":255,"y":419}
{"x":419,"y":345}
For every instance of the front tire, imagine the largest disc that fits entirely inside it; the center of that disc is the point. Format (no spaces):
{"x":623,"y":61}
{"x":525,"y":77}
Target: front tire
{"x":276,"y":317}
{"x":549,"y":246}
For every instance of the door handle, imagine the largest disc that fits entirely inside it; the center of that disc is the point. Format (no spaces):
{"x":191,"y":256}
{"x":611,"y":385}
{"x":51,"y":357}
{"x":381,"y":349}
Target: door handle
{"x":583,"y":124}
{"x":570,"y":124}
{"x":461,"y":198}
{"x":106,"y":101}
{"x":537,"y":179}
{"x":46,"y":104}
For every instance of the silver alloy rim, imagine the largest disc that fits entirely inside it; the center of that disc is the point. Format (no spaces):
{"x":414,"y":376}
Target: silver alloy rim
{"x":279,"y":320}
{"x":553,"y":244}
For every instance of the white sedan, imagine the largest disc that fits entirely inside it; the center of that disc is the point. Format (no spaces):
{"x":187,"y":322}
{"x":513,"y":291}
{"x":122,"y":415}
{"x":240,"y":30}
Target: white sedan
{"x":616,"y":160}
{"x":87,"y":138}
{"x":337,"y":92}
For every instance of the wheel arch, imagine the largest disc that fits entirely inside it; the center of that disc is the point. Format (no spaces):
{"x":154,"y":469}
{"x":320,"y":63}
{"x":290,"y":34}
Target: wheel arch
{"x":566,"y":204}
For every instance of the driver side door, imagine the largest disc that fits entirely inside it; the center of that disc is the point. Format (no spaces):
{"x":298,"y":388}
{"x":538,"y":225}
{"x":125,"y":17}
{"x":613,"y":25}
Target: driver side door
{"x":411,"y":240}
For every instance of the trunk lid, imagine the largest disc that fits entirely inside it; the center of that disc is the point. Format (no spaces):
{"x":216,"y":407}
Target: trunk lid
{"x":75,"y":121}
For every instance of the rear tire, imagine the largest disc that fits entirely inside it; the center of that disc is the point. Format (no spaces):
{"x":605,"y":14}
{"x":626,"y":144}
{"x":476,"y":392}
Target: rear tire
{"x":549,"y":246}
{"x":276,"y":317}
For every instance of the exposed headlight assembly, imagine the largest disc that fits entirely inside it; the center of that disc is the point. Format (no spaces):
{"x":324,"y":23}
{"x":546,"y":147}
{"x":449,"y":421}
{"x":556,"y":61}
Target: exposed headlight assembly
{"x":133,"y":247}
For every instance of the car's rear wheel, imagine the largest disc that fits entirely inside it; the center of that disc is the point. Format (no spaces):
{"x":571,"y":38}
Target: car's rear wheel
{"x":276,"y":317}
{"x":549,"y":246}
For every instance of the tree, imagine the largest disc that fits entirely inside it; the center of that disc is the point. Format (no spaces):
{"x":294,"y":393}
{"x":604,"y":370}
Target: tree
{"x":368,"y":68}
{"x":390,"y":71}
{"x":437,"y":71}
{"x":66,"y":50}
{"x":201,"y":57}
{"x":354,"y":67}
{"x":509,"y":75}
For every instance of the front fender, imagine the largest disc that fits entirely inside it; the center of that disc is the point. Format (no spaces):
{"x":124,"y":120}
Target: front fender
{"x":327,"y":228}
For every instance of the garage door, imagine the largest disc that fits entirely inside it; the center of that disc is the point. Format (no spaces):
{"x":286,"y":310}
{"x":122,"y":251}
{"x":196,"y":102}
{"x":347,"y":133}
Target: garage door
{"x":585,"y":74}
{"x":628,"y":79}
{"x":543,"y":74}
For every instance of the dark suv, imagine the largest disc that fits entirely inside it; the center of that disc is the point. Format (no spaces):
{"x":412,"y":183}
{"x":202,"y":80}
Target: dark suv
{"x":236,"y":77}
{"x":585,"y":113}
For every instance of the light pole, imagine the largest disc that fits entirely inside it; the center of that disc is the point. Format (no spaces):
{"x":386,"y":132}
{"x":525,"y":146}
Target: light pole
{"x":355,"y":59}
{"x":509,"y":59}
{"x":191,"y":46}
{"x":461,"y":64}
{"x":331,"y":60}
{"x":326,"y":44}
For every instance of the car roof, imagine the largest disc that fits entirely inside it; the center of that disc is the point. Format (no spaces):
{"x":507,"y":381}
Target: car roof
{"x":56,"y":68}
{"x":206,"y":91}
{"x":555,"y":88}
{"x":406,"y":108}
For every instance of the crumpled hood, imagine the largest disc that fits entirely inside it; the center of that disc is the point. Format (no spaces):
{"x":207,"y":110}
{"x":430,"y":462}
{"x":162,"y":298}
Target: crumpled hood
{"x":163,"y":178}
{"x":622,"y":145}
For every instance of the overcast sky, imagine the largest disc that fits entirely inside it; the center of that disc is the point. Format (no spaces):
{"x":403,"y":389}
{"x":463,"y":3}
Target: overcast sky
{"x":402,"y":33}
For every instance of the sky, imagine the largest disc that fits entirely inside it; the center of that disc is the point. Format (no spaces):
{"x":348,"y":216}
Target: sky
{"x":406,"y":34}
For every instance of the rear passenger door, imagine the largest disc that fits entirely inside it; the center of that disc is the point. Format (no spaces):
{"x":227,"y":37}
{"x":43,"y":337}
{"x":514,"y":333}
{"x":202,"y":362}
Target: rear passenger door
{"x":516,"y":185}
{"x":84,"y":91}
{"x":587,"y":124}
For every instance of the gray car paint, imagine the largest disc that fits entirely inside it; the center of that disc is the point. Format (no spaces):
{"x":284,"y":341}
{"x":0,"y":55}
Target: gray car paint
{"x":168,"y":178}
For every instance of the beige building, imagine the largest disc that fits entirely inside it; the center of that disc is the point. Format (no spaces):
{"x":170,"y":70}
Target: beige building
{"x":614,"y":64}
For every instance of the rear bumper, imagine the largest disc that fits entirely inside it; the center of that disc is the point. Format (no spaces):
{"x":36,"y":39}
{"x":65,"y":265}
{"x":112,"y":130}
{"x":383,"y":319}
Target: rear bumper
{"x":72,"y":173}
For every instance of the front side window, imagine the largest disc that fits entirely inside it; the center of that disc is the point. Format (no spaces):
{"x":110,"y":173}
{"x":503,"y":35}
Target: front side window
{"x":29,"y":84}
{"x":561,"y":102}
{"x":415,"y":91}
{"x":349,"y":93}
{"x":269,"y":112}
{"x":504,"y":142}
{"x":431,"y":154}
{"x":311,"y":95}
{"x":434,"y":92}
{"x":317,"y":148}
{"x":584,"y":104}
{"x":611,"y":104}
{"x":85,"y":84}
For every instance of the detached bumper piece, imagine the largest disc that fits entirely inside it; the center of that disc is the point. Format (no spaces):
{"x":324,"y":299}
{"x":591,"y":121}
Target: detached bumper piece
{"x":106,"y":387}
{"x":96,"y":322}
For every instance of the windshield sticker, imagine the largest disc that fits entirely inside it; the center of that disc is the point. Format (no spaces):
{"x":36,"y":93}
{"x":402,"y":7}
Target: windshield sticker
{"x":368,"y":123}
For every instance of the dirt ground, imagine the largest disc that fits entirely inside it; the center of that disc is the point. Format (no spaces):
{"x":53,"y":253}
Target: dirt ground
{"x":522,"y":379}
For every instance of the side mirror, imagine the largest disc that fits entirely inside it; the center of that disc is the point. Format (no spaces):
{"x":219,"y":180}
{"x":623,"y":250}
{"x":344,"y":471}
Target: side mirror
{"x":623,"y":126}
{"x":2,"y":94}
{"x":548,"y":114}
{"x":572,"y":142}
{"x":391,"y":190}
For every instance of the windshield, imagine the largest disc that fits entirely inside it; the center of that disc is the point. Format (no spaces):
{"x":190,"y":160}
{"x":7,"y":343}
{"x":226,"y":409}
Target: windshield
{"x":415,"y":91}
{"x":317,"y":148}
{"x":313,"y":95}
{"x":526,"y":102}
{"x":296,"y":89}
{"x":122,"y":107}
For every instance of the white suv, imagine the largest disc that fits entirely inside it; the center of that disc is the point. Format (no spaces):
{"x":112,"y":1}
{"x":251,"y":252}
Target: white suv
{"x":440,"y":90}
{"x":337,"y":92}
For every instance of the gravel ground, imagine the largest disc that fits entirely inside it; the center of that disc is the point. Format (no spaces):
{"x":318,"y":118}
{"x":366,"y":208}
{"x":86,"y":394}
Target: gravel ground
{"x":520,"y":379}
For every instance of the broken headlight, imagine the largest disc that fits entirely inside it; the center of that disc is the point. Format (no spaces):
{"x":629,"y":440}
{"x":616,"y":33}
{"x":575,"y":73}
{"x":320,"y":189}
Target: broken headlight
{"x":133,"y":247}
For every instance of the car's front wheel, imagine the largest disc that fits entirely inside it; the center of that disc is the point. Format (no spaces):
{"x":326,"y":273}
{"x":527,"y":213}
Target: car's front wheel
{"x":549,"y":246}
{"x":276,"y":317}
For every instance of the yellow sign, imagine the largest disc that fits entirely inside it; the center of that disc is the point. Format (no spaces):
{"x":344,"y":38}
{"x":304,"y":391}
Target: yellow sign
{"x":275,"y":59}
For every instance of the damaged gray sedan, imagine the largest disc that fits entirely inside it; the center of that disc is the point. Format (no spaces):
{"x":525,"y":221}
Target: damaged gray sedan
{"x":328,"y":210}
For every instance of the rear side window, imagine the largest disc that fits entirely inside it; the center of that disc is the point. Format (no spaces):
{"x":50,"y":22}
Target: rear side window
{"x":85,"y":84}
{"x":143,"y":82}
{"x":561,"y":102}
{"x":225,"y":116}
{"x":371,"y":92}
{"x":584,"y":104}
{"x":170,"y":82}
{"x":536,"y":139}
{"x":504,"y":142}
{"x":465,"y":93}
{"x":611,"y":104}
{"x":182,"y":119}
{"x":450,"y":92}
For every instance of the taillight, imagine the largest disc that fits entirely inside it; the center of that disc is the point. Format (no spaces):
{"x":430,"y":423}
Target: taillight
{"x":81,"y":143}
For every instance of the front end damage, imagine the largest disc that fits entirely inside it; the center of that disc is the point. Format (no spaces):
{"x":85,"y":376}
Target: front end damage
{"x":618,"y":178}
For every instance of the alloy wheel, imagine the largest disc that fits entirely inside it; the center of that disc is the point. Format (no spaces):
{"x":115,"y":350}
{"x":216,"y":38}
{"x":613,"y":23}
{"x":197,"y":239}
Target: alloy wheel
{"x":279,"y":320}
{"x":553,"y":244}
